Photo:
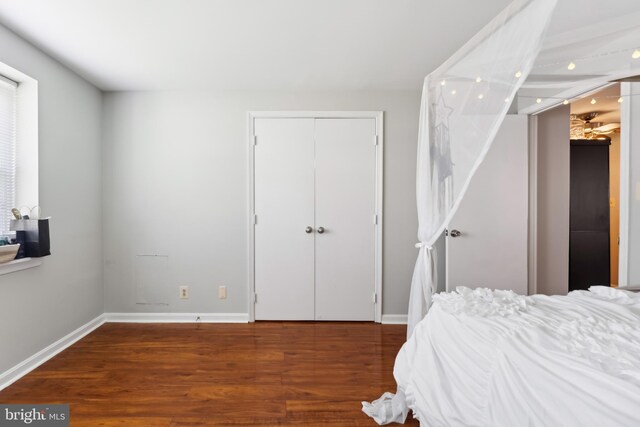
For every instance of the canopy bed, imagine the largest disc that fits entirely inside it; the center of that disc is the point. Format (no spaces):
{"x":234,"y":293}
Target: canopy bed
{"x":494,"y":358}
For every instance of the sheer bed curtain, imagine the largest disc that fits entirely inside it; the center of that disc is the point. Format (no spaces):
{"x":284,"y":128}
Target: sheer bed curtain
{"x":463,"y":105}
{"x":7,"y":152}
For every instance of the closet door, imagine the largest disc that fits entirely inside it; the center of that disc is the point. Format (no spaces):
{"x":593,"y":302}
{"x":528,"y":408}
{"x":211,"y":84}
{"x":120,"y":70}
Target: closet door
{"x":345,"y":207}
{"x":284,"y":247}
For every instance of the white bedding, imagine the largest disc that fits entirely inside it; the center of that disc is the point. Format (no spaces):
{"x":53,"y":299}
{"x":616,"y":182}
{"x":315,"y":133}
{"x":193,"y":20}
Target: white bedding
{"x":494,"y":358}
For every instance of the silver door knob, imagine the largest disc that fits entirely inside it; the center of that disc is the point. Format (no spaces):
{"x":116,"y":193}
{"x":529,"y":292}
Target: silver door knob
{"x":308,"y":230}
{"x":455,"y":233}
{"x":320,"y":230}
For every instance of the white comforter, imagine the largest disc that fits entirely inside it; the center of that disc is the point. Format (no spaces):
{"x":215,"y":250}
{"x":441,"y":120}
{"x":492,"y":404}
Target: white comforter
{"x":494,"y":358}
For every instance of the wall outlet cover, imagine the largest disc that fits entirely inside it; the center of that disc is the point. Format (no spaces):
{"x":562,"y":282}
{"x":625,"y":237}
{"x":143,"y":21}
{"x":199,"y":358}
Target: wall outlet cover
{"x":184,"y":292}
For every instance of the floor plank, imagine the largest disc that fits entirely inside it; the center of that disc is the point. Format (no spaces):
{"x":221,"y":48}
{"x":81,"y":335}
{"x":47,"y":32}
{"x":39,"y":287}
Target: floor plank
{"x":257,"y":374}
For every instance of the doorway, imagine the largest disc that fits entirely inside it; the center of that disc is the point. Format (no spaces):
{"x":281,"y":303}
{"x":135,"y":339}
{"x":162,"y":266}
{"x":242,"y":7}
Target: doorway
{"x":595,"y":189}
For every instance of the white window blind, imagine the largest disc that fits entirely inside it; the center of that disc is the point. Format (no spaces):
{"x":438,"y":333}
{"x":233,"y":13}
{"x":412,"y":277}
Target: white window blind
{"x":7,"y":152}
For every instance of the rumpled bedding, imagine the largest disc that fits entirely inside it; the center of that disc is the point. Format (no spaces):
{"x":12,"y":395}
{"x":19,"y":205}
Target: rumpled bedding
{"x":495,"y":358}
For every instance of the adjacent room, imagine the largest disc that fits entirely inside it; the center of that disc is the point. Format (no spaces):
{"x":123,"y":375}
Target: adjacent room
{"x":335,"y":213}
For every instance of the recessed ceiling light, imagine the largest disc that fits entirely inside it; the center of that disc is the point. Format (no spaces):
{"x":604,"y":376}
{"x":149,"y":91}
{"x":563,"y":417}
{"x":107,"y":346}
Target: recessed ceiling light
{"x":571,"y":66}
{"x":518,"y":74}
{"x":538,"y":100}
{"x":593,"y":101}
{"x":636,"y":54}
{"x":478,"y":79}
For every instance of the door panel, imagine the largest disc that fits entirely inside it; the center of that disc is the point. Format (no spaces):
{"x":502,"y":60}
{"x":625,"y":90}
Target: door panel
{"x":492,"y":218}
{"x":284,"y":252}
{"x":345,"y":208}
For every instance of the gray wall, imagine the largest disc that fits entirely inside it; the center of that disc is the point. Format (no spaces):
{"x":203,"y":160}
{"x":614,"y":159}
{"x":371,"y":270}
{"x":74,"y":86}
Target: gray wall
{"x":634,"y":185}
{"x":40,"y":305}
{"x":176,"y":179}
{"x":553,"y":201}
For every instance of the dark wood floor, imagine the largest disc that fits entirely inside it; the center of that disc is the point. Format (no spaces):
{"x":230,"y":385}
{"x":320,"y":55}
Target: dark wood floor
{"x":254,"y":374}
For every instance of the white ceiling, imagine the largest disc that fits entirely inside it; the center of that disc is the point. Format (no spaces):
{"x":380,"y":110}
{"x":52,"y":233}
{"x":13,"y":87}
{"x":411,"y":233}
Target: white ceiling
{"x":606,"y":106}
{"x":265,"y":44}
{"x":250,"y":44}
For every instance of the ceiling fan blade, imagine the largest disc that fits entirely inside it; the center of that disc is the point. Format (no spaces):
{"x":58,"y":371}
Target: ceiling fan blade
{"x":608,"y":128}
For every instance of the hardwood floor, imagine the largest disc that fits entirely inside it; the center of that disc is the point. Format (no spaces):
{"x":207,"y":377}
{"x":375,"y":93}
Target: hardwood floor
{"x":257,"y":374}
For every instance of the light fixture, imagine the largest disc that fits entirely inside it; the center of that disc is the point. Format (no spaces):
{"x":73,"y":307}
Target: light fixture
{"x":518,"y":74}
{"x":478,"y":79}
{"x":636,"y":54}
{"x":620,"y":100}
{"x":538,"y":100}
{"x":507,"y":100}
{"x":453,"y":92}
{"x":593,"y":101}
{"x":571,"y":66}
{"x":444,"y":82}
{"x":480,"y":96}
{"x":565,"y":102}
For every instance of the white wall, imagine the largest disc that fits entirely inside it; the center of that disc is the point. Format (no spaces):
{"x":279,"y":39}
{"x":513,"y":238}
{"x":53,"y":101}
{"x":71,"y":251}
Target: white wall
{"x":553,"y":202}
{"x":40,"y":305}
{"x":176,"y":179}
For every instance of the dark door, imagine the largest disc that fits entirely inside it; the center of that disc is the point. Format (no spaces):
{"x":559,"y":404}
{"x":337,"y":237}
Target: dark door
{"x":589,"y":214}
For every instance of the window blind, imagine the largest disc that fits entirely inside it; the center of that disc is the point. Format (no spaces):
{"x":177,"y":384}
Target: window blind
{"x":7,"y":152}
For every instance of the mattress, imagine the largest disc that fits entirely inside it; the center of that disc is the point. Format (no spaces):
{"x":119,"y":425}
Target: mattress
{"x":494,"y":358}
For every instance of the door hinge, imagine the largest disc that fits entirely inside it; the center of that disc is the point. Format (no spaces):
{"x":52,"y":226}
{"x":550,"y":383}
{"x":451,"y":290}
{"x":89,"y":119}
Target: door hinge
{"x":375,"y":139}
{"x":255,"y":219}
{"x":375,"y":298}
{"x":375,"y":219}
{"x":255,"y":298}
{"x":255,"y":140}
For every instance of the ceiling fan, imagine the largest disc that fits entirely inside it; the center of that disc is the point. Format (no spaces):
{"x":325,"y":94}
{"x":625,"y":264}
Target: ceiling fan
{"x":584,"y":127}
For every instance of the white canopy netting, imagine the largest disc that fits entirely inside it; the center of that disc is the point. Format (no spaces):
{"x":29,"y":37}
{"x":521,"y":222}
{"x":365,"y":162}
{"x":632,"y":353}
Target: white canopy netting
{"x":464,"y":103}
{"x":465,"y":100}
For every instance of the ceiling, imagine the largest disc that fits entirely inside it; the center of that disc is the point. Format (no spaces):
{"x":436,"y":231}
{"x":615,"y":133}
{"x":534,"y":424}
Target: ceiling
{"x":606,"y":106}
{"x":265,"y":44}
{"x":249,"y":44}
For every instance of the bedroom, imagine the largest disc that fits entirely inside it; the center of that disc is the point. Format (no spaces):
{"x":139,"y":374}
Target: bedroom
{"x":143,"y":162}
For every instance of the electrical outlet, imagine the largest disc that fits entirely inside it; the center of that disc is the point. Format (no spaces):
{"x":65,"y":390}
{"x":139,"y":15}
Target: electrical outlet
{"x":184,"y":292}
{"x":222,"y":292}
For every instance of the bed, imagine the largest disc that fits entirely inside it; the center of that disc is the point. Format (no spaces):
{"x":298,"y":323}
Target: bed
{"x":495,"y":358}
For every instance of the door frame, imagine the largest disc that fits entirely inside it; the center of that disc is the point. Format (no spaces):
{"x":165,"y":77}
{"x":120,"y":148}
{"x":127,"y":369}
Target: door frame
{"x":378,"y":219}
{"x":625,"y":185}
{"x":625,"y":142}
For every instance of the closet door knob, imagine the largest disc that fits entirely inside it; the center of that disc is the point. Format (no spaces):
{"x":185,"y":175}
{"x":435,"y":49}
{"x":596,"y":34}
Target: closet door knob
{"x":320,"y":230}
{"x":455,"y":233}
{"x":308,"y":230}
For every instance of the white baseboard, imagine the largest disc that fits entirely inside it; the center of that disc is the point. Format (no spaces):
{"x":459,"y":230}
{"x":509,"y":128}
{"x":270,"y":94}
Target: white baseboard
{"x":12,"y":375}
{"x":177,"y":317}
{"x":394,"y":319}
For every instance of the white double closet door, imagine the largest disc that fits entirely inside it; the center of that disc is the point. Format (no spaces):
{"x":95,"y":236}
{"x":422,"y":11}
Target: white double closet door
{"x":315,"y":201}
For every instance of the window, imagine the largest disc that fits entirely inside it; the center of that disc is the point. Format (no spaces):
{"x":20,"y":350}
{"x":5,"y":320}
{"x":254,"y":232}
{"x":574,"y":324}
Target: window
{"x":8,"y":89}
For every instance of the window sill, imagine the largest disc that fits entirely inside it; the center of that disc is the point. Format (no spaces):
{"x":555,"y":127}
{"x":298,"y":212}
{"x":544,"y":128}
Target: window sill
{"x":19,"y":264}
